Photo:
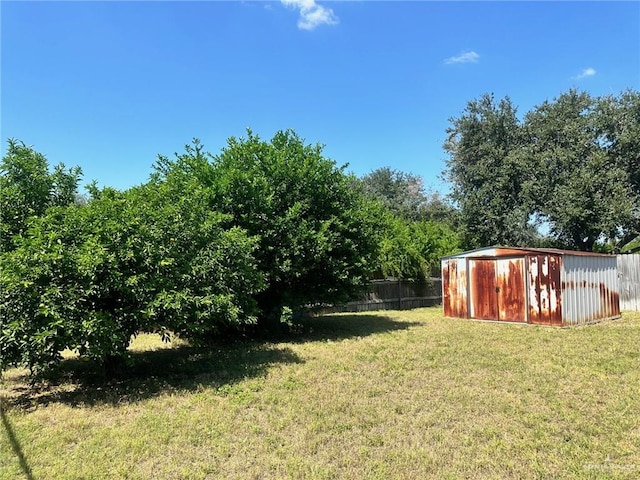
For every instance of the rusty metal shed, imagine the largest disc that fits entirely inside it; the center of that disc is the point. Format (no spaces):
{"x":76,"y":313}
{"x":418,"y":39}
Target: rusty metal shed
{"x":540,"y":286}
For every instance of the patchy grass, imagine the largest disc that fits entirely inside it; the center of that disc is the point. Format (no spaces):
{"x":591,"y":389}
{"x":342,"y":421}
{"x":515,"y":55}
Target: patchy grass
{"x":407,"y":395}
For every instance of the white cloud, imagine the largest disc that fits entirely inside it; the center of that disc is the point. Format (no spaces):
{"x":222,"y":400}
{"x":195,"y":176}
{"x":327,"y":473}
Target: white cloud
{"x":587,"y":72}
{"x":311,"y":14}
{"x":466,"y":57}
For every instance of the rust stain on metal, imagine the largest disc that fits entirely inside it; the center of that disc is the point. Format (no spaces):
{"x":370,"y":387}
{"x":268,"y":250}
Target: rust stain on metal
{"x":538,"y":286}
{"x":545,"y":300}
{"x":454,"y":290}
{"x":534,"y":289}
{"x":498,"y":289}
{"x":446,"y":290}
{"x":610,"y":302}
{"x":449,"y":292}
{"x":461,"y":299}
{"x":555,"y":290}
{"x":605,"y":299}
{"x":616,"y":304}
{"x":510,"y":290}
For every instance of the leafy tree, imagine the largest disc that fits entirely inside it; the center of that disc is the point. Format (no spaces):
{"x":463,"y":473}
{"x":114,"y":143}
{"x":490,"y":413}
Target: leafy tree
{"x":580,"y":184}
{"x":316,"y":240}
{"x":316,"y":233}
{"x":572,"y":164}
{"x":400,"y":192}
{"x":27,"y":189}
{"x":152,"y":258}
{"x":438,"y":209}
{"x":437,"y":240}
{"x":487,"y":170}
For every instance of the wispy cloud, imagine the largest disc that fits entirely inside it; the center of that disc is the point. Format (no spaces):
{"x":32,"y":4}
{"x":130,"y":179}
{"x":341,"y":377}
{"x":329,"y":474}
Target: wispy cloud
{"x":587,"y":72}
{"x":311,"y":14}
{"x":465,"y":57}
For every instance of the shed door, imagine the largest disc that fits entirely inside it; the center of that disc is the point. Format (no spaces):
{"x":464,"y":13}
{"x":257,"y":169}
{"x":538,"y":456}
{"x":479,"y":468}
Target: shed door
{"x":482,"y":286}
{"x":497,"y":288}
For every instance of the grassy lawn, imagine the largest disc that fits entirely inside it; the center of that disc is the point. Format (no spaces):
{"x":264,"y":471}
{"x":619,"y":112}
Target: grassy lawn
{"x":407,"y":395}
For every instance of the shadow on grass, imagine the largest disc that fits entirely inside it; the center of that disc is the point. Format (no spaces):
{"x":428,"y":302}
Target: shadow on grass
{"x":342,"y":326}
{"x":149,"y":373}
{"x":79,"y":381}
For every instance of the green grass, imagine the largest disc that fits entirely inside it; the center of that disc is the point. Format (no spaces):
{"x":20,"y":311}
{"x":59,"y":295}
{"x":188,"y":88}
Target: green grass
{"x":406,"y":395}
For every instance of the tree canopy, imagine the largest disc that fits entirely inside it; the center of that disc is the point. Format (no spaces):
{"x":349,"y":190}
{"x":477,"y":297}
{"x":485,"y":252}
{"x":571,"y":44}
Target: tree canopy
{"x":413,"y":248}
{"x":487,"y":172}
{"x":570,"y":167}
{"x":404,"y":195}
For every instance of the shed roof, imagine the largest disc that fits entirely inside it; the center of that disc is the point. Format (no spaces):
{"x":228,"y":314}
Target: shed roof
{"x":497,"y":251}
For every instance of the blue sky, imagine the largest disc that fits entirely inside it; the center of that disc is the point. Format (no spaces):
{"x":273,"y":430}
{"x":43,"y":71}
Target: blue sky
{"x":109,"y":85}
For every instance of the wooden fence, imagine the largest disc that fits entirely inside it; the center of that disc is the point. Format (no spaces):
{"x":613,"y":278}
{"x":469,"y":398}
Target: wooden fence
{"x":629,"y":281}
{"x":395,"y":294}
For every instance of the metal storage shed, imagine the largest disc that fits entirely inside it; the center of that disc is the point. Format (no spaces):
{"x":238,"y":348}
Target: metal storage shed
{"x":540,"y":286}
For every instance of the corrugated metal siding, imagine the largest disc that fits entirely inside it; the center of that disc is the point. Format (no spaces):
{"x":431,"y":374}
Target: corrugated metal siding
{"x":545,"y":299}
{"x":629,"y":278}
{"x":589,"y":289}
{"x":454,"y":287}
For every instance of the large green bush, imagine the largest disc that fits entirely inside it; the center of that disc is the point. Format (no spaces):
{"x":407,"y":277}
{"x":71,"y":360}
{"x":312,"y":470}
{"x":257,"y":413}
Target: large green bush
{"x":153,"y":258}
{"x":316,"y":237}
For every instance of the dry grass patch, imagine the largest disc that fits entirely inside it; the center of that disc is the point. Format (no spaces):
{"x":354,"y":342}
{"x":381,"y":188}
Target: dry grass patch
{"x":388,"y":395}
